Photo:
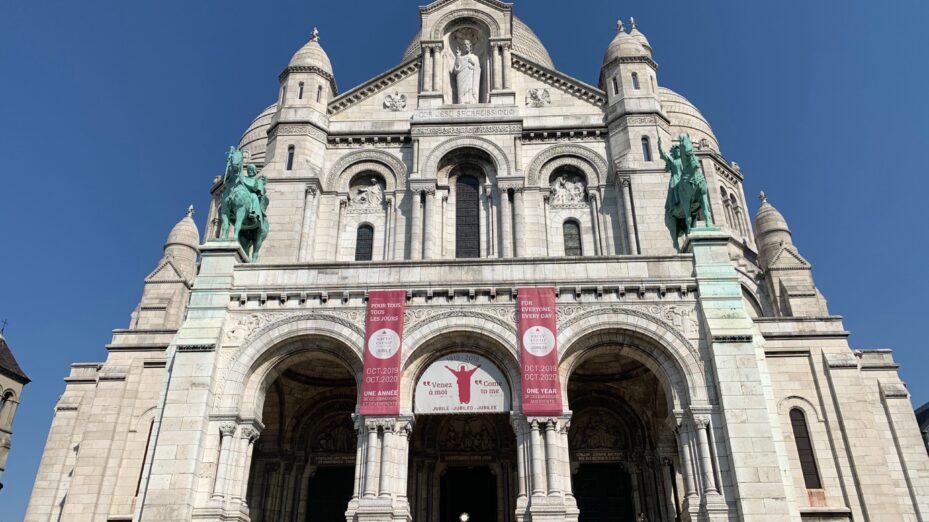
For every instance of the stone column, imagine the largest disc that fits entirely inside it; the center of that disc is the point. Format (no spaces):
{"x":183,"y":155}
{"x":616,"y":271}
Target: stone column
{"x":551,"y":456}
{"x":539,"y":486}
{"x":388,"y":227}
{"x":360,"y":435}
{"x":631,"y":243}
{"x":519,"y":242}
{"x":310,"y":207}
{"x":491,"y":222}
{"x":249,"y":437}
{"x":398,"y":243}
{"x":506,"y":223}
{"x":565,"y":471}
{"x":595,"y":223}
{"x":226,"y":431}
{"x":343,"y":202}
{"x":308,"y":473}
{"x":416,"y":250}
{"x":507,"y":67}
{"x":437,"y":68}
{"x":387,"y":461}
{"x":702,"y":423}
{"x":687,"y":470}
{"x":521,"y":448}
{"x":427,"y":68}
{"x":402,"y":453}
{"x":429,"y":225}
{"x":371,"y":463}
{"x":498,"y":69}
{"x":667,"y":477}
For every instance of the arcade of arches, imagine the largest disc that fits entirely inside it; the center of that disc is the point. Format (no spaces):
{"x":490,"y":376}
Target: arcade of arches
{"x":613,"y":456}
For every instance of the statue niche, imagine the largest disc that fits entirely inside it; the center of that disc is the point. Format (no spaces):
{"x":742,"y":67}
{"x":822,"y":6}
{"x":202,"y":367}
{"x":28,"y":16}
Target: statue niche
{"x":466,"y":61}
{"x":567,"y":189}
{"x":366,"y":193}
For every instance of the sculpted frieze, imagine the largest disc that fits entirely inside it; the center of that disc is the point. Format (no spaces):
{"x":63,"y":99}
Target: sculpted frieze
{"x":466,"y":130}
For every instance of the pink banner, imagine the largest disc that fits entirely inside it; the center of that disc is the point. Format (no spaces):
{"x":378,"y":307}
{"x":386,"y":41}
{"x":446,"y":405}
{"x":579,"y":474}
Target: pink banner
{"x":538,"y":351}
{"x":380,"y":389}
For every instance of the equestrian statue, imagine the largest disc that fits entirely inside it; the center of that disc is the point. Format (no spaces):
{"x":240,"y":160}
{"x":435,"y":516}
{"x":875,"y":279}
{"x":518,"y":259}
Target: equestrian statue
{"x":687,"y":192}
{"x":244,"y":203}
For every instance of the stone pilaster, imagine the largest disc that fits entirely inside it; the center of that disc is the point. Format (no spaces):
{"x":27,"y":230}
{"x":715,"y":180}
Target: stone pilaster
{"x":386,"y":459}
{"x":737,"y":358}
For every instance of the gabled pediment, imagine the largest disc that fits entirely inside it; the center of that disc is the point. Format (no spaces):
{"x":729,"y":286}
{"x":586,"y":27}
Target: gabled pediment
{"x":559,"y":80}
{"x":788,"y":258}
{"x":166,"y":272}
{"x":440,"y":4}
{"x":378,"y":85}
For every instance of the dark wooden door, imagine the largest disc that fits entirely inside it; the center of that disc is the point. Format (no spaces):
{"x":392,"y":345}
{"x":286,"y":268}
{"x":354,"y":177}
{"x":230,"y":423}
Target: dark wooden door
{"x":467,"y":217}
{"x":603,"y":493}
{"x":330,"y":491}
{"x":468,"y":490}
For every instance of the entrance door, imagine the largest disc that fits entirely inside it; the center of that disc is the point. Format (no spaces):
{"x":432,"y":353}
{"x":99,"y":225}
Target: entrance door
{"x":330,"y":491}
{"x":471,"y":490}
{"x":603,"y":493}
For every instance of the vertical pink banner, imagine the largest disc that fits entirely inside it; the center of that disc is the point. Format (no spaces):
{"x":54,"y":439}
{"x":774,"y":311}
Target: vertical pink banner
{"x":380,"y":389}
{"x":538,"y":352}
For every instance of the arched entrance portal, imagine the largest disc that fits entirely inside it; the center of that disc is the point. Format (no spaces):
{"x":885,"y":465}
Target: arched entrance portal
{"x":463,"y":450}
{"x":622,"y":452}
{"x":304,"y":463}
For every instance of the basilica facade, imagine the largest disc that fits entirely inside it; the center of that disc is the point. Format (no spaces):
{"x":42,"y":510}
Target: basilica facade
{"x":452,"y":290}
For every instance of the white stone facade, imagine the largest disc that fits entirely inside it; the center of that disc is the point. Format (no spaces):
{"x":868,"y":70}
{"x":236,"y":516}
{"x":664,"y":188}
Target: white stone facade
{"x":710,"y":384}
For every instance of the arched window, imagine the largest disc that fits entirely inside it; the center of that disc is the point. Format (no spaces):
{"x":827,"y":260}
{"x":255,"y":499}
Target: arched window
{"x":364,"y":243}
{"x":653,"y":83}
{"x":284,"y":94}
{"x":319,"y":94}
{"x":5,"y":403}
{"x":290,"y":158}
{"x":805,"y":450}
{"x":635,"y":81}
{"x":646,"y":149}
{"x":615,"y":86}
{"x":300,"y":92}
{"x":467,"y":217}
{"x":572,"y":238}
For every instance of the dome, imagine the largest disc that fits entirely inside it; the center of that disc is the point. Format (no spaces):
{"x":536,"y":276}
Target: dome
{"x":624,"y":46}
{"x":184,"y":233}
{"x":639,"y":37}
{"x":525,"y":44}
{"x":255,"y":139}
{"x":685,"y":118}
{"x":312,"y":55}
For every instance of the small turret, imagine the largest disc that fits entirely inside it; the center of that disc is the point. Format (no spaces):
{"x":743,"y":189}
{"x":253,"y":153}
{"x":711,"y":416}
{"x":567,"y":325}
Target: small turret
{"x":167,"y":288}
{"x":307,"y":87}
{"x":789,"y":277}
{"x":639,"y":37}
{"x":771,"y":231}
{"x":183,"y":243}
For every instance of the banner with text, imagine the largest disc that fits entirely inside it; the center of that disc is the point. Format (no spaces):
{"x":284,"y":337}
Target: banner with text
{"x":462,"y":383}
{"x":380,"y":389}
{"x":538,"y":351}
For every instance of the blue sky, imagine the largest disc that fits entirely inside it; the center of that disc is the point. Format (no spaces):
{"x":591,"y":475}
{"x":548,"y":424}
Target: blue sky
{"x":115,"y":115}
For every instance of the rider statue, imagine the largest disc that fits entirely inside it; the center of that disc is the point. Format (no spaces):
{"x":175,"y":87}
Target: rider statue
{"x":244,"y":204}
{"x":687,"y":190}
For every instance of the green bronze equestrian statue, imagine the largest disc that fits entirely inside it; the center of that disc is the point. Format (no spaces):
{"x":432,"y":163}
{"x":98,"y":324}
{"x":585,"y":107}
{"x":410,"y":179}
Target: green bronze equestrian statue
{"x":687,"y":192}
{"x":245,"y":203}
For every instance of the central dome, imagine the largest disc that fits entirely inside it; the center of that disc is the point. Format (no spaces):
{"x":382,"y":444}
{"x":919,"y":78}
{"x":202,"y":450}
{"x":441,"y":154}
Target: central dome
{"x":525,"y":43}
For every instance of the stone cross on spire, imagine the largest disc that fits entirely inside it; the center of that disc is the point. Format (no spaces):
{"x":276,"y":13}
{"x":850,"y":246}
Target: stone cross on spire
{"x":762,"y":197}
{"x":3,"y":327}
{"x":632,"y":22}
{"x":619,"y":27}
{"x":190,"y":211}
{"x":315,"y":35}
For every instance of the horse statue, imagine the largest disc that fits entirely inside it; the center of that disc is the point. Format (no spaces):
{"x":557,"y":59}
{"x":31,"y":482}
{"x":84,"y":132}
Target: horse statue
{"x":687,"y":191}
{"x":244,"y":203}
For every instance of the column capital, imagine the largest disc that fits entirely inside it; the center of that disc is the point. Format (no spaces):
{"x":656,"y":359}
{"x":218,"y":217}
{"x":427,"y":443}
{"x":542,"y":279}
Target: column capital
{"x":624,"y":181}
{"x":250,"y":433}
{"x":227,"y":429}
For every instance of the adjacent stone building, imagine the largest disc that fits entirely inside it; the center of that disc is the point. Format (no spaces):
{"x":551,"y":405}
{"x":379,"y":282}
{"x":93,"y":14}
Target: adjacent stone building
{"x":706,"y":384}
{"x":12,"y":381}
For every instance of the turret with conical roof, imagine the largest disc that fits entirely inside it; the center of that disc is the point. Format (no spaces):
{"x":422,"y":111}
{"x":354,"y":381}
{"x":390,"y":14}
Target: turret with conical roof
{"x":167,"y":288}
{"x":629,"y":77}
{"x":788,"y":275}
{"x":12,"y":381}
{"x":297,"y":133}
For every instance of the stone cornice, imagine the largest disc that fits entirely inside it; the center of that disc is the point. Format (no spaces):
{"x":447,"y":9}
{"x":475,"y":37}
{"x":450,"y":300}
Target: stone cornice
{"x":373,"y":86}
{"x":559,"y":80}
{"x":439,"y":4}
{"x":310,"y":69}
{"x":631,"y":59}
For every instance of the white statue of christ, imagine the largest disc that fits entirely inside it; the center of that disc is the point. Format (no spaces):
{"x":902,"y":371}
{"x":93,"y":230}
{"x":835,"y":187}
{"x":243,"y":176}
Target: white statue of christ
{"x":467,"y":74}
